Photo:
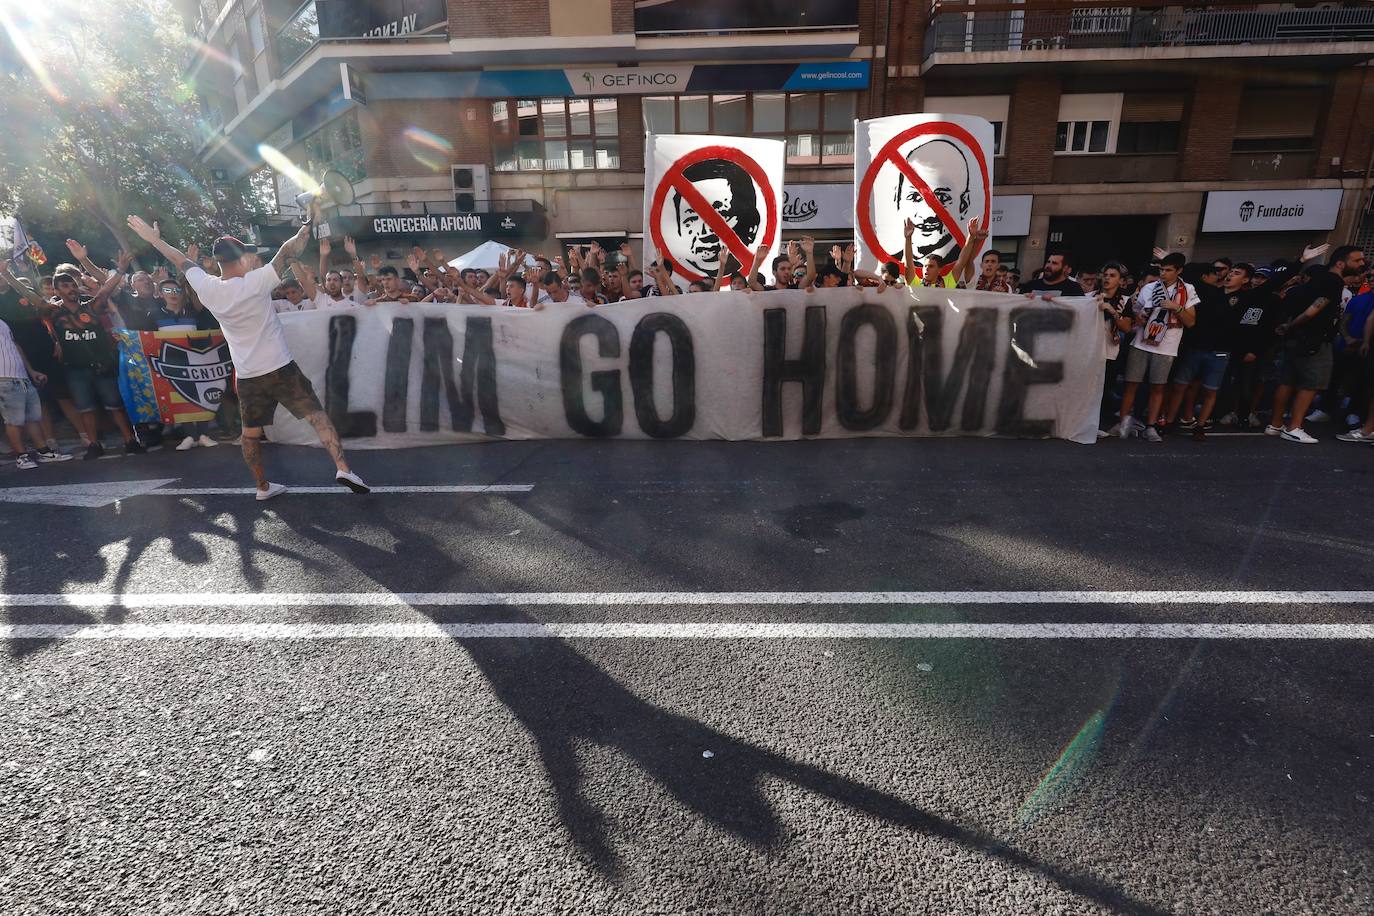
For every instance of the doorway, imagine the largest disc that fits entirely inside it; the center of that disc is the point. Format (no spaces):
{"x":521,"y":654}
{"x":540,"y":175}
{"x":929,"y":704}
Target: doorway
{"x":1095,"y":240}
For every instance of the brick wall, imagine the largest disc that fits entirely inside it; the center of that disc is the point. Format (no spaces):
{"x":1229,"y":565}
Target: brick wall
{"x":622,"y":16}
{"x":391,"y":152}
{"x":631,"y":124}
{"x":503,"y":19}
{"x":1346,"y":129}
{"x":1033,"y":118}
{"x":1209,"y":127}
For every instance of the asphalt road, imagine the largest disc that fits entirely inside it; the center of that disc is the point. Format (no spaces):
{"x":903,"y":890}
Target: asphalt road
{"x":706,"y":773}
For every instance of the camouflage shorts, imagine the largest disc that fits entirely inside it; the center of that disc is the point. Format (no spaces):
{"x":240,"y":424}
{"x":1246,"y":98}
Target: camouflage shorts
{"x":287,"y":386}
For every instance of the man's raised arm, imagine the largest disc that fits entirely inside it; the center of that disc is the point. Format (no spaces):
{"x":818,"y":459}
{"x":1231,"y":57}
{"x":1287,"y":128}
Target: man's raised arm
{"x":292,"y":249}
{"x":153,"y":236}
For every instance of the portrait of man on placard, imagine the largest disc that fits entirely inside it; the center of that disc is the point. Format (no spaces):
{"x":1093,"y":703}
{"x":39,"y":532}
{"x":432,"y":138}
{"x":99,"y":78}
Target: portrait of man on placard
{"x":730,"y":191}
{"x":944,"y":168}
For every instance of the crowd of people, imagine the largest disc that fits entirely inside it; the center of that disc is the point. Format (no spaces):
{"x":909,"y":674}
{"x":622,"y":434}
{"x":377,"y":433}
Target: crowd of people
{"x":1271,"y":346}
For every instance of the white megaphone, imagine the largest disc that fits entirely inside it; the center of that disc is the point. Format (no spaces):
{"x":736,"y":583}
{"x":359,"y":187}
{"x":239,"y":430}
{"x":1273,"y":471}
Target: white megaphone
{"x":334,"y":190}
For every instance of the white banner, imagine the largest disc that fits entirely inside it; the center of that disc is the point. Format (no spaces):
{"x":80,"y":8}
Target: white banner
{"x":933,"y":169}
{"x":707,"y":198}
{"x":777,"y":365}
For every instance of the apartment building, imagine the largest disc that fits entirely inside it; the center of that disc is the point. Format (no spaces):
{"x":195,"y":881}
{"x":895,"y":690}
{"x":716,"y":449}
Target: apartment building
{"x":1209,"y":128}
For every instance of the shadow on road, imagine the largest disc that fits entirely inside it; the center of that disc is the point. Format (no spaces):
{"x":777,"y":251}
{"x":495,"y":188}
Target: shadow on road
{"x":564,"y":700}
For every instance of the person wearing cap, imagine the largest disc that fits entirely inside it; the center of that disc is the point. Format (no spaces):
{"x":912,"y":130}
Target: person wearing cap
{"x":267,"y":375}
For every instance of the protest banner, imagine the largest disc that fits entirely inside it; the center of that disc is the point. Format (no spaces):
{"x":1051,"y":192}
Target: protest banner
{"x":935,"y":170}
{"x":708,"y":198}
{"x":733,"y":365}
{"x":173,"y":376}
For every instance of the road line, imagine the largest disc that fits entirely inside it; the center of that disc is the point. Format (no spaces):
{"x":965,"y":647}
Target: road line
{"x":670,"y":599}
{"x":340,"y":490}
{"x":308,"y":631}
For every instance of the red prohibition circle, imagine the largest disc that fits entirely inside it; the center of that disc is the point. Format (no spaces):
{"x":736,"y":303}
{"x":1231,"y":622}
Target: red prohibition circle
{"x":673,"y":178}
{"x":889,"y":153}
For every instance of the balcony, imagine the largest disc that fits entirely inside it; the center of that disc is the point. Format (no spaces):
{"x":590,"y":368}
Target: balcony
{"x":1041,"y":31}
{"x":317,"y":21}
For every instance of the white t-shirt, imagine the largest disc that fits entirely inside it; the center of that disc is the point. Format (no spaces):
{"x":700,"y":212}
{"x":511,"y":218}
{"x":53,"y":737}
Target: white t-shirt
{"x":325,"y":301}
{"x":286,"y":305}
{"x":250,"y":324}
{"x":1162,"y":331}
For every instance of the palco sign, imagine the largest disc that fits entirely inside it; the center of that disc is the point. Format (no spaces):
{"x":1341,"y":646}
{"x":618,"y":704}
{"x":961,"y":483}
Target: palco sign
{"x":709,"y":199}
{"x":777,"y":365}
{"x":933,"y":169}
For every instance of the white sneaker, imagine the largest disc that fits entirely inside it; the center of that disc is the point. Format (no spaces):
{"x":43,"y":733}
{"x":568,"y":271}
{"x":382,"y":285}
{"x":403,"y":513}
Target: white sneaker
{"x":1151,"y":435}
{"x":1255,"y":420}
{"x":1356,"y":435}
{"x":206,"y":441}
{"x":273,"y":489}
{"x":1272,"y":430}
{"x":1297,"y":435}
{"x":1318,"y":416}
{"x":1102,"y":434}
{"x":1229,"y":420}
{"x":188,"y":442}
{"x":352,"y":481}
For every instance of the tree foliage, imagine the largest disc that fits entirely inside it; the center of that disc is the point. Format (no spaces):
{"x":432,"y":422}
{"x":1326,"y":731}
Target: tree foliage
{"x":99,"y":121}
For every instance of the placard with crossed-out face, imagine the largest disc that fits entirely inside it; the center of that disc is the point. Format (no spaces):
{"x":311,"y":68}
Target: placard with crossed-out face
{"x":708,"y":199}
{"x":933,"y":169}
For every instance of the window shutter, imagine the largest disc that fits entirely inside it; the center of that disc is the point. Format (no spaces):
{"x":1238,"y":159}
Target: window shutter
{"x":1273,"y":113}
{"x":1146,"y":107}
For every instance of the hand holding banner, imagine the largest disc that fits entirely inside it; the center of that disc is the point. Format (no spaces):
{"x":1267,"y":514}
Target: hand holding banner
{"x":935,"y":170}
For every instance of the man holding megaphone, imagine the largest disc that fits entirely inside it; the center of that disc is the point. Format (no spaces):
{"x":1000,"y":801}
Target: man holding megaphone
{"x":241,"y":299}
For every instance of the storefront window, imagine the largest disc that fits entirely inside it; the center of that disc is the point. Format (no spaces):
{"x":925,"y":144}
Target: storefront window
{"x":554,"y":135}
{"x":817,"y":127}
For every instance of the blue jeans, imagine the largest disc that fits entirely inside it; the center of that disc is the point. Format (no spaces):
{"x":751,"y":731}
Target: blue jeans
{"x":91,"y":391}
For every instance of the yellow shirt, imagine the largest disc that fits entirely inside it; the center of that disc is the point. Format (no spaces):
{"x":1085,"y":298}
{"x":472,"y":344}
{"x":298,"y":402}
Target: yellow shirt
{"x":946,"y":280}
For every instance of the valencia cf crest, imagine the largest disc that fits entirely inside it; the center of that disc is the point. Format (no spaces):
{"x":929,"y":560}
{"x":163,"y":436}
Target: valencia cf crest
{"x":201,"y":376}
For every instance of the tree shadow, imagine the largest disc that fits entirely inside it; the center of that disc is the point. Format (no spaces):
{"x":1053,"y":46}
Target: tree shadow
{"x":564,"y":700}
{"x":79,"y":558}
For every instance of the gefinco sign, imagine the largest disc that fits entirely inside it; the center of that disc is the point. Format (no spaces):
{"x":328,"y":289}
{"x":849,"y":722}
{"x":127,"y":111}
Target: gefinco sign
{"x":1296,"y":210}
{"x":628,"y":80}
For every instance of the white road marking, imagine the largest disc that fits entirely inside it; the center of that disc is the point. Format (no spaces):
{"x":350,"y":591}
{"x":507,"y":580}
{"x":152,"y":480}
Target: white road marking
{"x":339,"y":489}
{"x":310,"y":631}
{"x":671,"y":599}
{"x":99,"y":495}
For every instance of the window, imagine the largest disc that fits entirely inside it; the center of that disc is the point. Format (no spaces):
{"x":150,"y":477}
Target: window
{"x":1081,"y":137}
{"x":992,"y":108}
{"x":554,"y":135}
{"x":1148,"y":137}
{"x":818,"y":128}
{"x":1087,"y":123}
{"x":1276,"y":120}
{"x":339,"y":146}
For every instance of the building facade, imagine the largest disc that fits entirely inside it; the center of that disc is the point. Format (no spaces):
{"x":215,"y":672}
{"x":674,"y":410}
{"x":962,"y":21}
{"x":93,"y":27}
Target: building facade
{"x":1242,"y":129}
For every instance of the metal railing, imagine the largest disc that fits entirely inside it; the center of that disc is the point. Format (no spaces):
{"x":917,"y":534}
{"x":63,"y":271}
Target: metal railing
{"x":955,"y":31}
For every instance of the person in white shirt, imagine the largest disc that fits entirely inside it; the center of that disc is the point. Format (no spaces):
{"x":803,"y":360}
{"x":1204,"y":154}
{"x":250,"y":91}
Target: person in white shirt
{"x":1162,"y":310}
{"x":267,"y":375}
{"x":295,"y":298}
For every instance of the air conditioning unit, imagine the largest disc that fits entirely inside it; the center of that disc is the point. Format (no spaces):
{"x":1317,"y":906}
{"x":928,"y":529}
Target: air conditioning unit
{"x":471,"y":189}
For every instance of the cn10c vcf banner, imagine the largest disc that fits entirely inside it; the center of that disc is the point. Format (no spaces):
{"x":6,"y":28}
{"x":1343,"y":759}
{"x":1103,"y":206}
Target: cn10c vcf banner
{"x":776,"y":365}
{"x":932,"y":169}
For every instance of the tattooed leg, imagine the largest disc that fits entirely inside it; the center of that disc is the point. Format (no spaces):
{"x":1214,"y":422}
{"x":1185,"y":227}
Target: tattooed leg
{"x":329,"y":437}
{"x":252,"y":455}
